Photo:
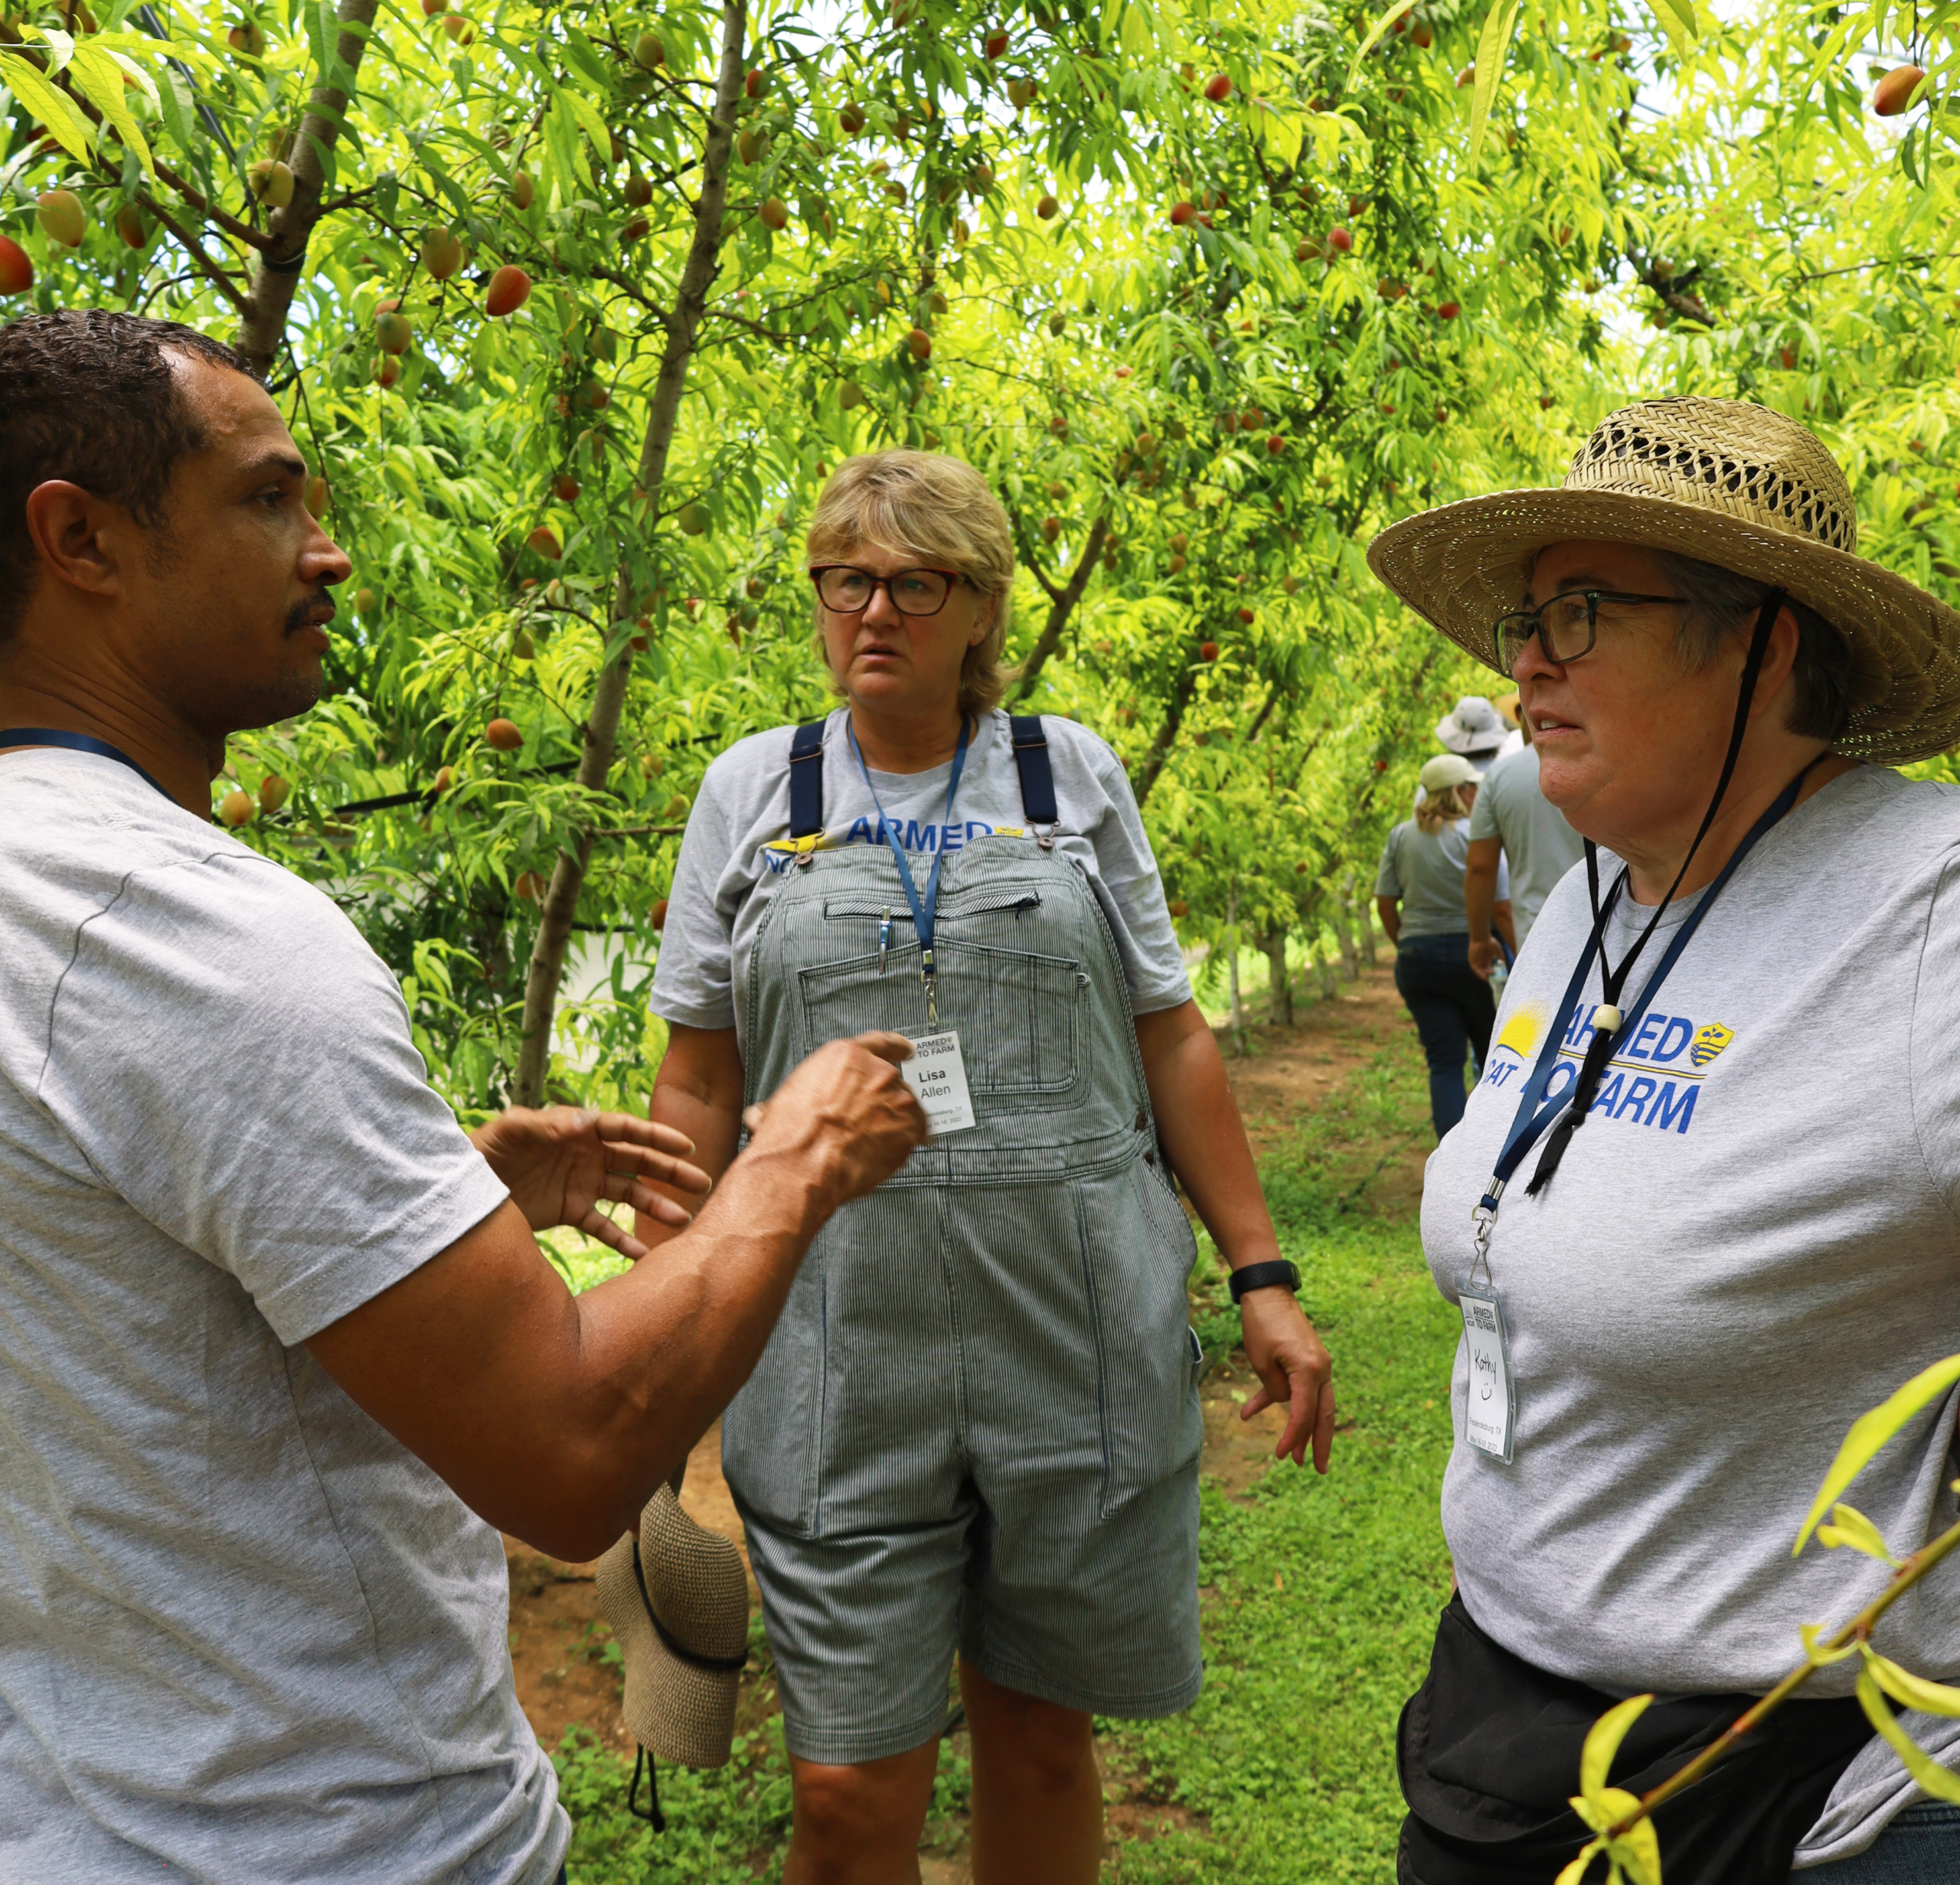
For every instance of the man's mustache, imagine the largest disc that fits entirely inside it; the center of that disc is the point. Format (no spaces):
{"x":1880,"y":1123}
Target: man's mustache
{"x":316,"y":609}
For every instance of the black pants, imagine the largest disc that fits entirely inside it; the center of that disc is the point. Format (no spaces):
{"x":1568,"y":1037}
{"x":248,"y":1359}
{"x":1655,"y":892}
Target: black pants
{"x":1453,"y":1010}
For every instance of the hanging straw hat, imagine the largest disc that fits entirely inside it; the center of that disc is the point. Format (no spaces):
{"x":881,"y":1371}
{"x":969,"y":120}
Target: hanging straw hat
{"x":678,"y":1600}
{"x":1473,"y":725}
{"x":1728,"y":483}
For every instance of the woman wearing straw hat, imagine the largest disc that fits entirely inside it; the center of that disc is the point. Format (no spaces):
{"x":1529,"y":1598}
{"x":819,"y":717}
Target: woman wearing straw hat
{"x":1700,"y":1212}
{"x":1419,"y":892}
{"x":976,"y":1429}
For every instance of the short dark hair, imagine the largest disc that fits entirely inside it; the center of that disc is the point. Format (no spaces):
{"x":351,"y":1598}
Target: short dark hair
{"x":88,"y":395}
{"x":1722,"y":603}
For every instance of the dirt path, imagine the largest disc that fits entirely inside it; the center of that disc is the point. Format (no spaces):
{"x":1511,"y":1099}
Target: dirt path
{"x":1287,"y":1079}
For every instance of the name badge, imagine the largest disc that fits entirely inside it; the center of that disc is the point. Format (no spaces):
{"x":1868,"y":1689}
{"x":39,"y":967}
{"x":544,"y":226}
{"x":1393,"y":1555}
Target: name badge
{"x":1490,"y":1415}
{"x":937,"y":1074}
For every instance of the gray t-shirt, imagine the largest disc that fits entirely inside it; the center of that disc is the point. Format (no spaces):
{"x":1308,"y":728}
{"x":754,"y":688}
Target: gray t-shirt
{"x":1425,"y":869}
{"x":1539,"y":847}
{"x":244,"y":1634}
{"x":737,"y":842}
{"x":1754,"y":1238}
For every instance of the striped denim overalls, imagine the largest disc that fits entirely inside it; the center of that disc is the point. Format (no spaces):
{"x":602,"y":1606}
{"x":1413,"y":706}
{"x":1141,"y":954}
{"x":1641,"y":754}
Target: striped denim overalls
{"x":977,"y":1422}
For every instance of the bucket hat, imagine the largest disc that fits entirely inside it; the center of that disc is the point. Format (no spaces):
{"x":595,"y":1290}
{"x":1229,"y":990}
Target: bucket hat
{"x":1728,"y":483}
{"x":1446,"y":771}
{"x":1473,"y":725}
{"x":676,"y":1599}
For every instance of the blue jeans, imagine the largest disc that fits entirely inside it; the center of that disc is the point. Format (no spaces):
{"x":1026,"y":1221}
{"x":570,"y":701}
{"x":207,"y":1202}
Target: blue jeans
{"x":1921,"y":1846}
{"x":1453,"y":1010}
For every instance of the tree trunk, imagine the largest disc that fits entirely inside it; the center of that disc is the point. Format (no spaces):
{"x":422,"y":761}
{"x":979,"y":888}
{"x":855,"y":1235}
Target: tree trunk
{"x":1279,"y":985}
{"x":276,"y":271}
{"x":1323,"y":973}
{"x":1061,"y":608}
{"x":1344,"y":935}
{"x":1238,"y":1012}
{"x":601,"y":724}
{"x":1167,"y":734}
{"x":1362,"y":916}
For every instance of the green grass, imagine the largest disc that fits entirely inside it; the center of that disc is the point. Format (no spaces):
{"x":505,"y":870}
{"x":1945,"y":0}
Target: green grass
{"x":1321,"y":1595}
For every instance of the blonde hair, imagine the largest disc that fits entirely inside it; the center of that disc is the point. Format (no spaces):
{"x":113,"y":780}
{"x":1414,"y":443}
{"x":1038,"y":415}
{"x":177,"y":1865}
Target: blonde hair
{"x":1444,"y":808}
{"x":941,"y":508}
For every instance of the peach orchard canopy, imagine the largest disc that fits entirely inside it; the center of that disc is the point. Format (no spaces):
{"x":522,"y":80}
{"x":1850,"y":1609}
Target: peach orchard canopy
{"x":1731,"y":484}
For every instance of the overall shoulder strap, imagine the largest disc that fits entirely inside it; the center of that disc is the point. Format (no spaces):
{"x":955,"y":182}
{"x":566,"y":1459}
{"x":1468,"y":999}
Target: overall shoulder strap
{"x":806,"y":780}
{"x":1031,"y":759}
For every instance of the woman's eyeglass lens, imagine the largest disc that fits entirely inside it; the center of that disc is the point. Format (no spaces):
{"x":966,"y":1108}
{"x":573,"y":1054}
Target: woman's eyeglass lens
{"x":912,"y":592}
{"x":1568,"y":626}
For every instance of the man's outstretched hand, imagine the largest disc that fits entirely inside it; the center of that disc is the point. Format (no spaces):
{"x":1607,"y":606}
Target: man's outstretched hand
{"x":561,"y":1163}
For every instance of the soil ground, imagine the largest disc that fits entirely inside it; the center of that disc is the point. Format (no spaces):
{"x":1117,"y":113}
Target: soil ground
{"x":559,"y":1639}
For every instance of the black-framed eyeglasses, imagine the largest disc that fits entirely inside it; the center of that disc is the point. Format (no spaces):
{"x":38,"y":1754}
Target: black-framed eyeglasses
{"x":1568,"y":626}
{"x":912,"y":592}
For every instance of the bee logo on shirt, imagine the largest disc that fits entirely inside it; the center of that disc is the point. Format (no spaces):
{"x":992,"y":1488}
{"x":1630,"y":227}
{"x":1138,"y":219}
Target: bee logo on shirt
{"x":1709,"y":1042}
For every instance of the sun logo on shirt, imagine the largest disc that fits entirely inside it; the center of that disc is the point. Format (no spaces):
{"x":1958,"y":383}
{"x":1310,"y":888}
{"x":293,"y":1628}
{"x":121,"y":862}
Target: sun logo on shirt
{"x":1522,"y":1031}
{"x":1709,"y":1042}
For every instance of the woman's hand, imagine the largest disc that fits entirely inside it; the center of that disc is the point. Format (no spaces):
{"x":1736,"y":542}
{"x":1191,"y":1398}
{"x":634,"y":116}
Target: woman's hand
{"x":1295,"y":1372}
{"x":561,"y":1163}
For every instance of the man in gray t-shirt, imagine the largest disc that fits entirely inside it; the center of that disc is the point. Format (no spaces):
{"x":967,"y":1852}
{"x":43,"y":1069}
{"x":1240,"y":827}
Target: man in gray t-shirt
{"x":1513,"y":825}
{"x":278,"y":1350}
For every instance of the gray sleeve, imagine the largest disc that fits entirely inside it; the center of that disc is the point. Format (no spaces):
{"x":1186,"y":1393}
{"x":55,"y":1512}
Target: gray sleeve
{"x":1388,"y":879}
{"x":1933,"y":1049}
{"x":235,"y":1061}
{"x":1133,"y":893}
{"x":693,"y":975}
{"x":1483,"y":813}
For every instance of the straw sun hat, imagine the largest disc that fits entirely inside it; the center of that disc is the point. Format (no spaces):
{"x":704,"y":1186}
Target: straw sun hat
{"x":678,"y":1601}
{"x":1728,"y":483}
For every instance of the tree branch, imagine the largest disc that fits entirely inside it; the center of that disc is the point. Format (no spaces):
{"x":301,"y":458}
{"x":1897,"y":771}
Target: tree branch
{"x":1167,"y":734}
{"x":608,"y":700}
{"x":1064,"y":601}
{"x":275,"y":274}
{"x":194,"y":249}
{"x":1857,"y":1630}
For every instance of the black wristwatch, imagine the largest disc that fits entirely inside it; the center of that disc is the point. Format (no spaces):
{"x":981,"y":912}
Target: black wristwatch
{"x":1278,"y":1275}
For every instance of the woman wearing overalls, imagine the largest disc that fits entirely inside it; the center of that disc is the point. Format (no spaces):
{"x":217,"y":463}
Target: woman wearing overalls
{"x":976,"y":1426}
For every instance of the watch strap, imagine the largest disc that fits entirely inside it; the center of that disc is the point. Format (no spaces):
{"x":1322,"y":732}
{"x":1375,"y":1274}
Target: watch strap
{"x":1278,"y":1275}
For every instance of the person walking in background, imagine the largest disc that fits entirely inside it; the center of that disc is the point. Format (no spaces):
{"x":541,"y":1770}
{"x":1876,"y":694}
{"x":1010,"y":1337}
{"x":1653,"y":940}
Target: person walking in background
{"x":1514,"y":829}
{"x":1474,"y":729}
{"x":1419,"y":892}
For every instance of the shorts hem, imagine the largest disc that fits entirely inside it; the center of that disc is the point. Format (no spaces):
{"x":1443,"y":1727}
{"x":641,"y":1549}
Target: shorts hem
{"x":1120,"y":1706}
{"x":851,"y":1747}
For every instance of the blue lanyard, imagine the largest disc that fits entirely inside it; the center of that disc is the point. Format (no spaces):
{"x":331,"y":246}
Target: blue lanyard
{"x":74,"y":743}
{"x":924,"y":913}
{"x":1534,"y":1114}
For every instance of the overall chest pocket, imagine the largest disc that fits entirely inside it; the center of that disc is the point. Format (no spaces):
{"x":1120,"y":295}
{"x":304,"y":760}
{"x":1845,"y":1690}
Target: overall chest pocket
{"x":1019,"y":1011}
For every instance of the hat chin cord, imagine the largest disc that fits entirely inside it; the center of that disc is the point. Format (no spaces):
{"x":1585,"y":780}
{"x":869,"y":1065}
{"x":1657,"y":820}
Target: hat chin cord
{"x":1607,"y":1016}
{"x":720,"y":1665}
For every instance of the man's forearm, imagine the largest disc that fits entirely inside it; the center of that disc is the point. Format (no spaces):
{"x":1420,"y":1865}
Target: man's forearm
{"x":662,"y":1349}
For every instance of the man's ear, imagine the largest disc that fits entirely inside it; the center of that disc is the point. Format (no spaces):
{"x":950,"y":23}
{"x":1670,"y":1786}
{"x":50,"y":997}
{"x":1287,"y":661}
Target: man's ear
{"x":79,"y":536}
